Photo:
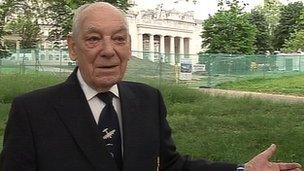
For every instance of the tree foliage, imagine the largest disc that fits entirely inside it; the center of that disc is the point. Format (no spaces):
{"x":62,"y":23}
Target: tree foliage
{"x":271,"y":10}
{"x":229,"y":31}
{"x":295,"y":43}
{"x":3,"y":53}
{"x":24,"y":17}
{"x":26,"y":28}
{"x":288,"y":24}
{"x":20,"y":18}
{"x":59,"y":13}
{"x":262,"y":42}
{"x":4,"y":8}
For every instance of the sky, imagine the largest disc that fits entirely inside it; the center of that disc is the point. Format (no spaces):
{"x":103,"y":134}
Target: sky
{"x":201,"y":10}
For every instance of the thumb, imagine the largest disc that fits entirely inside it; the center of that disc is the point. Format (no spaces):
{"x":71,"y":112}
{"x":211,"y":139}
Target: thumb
{"x":269,"y":152}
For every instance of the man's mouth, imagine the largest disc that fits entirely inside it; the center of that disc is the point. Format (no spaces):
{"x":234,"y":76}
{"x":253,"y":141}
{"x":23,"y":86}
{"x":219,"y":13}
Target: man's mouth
{"x":107,"y":66}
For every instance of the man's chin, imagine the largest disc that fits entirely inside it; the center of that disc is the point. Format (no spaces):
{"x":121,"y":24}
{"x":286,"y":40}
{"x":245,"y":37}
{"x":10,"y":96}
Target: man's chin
{"x":105,"y":83}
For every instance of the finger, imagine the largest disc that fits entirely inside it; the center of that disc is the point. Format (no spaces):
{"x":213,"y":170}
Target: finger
{"x":293,"y":170}
{"x":269,"y":152}
{"x":289,"y":166}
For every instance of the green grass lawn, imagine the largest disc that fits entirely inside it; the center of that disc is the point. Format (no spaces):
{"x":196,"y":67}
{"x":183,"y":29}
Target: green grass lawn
{"x":233,"y":130}
{"x":12,"y":85}
{"x":291,"y":84}
{"x":9,"y":70}
{"x":216,"y":128}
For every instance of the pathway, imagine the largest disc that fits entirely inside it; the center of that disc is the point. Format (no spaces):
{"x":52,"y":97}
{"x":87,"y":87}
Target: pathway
{"x":263,"y":96}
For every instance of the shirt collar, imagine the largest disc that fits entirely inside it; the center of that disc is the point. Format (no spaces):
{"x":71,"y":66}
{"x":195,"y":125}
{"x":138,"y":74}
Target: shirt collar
{"x":89,"y":92}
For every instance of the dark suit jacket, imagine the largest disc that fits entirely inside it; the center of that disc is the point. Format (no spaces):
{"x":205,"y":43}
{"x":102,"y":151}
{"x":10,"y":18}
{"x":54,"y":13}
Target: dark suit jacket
{"x":53,"y":129}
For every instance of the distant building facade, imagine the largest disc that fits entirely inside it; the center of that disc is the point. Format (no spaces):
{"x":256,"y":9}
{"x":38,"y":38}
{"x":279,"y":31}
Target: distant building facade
{"x":167,"y":34}
{"x":157,"y":34}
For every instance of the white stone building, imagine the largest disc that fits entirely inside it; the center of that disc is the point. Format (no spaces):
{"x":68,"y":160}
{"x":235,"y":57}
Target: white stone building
{"x":166,"y":33}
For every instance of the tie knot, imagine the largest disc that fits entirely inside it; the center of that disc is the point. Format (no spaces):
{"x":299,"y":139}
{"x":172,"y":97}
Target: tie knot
{"x":106,"y":97}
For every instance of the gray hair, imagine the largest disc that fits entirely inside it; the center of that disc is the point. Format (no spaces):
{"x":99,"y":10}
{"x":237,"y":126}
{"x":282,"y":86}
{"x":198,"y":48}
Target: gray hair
{"x":79,"y":12}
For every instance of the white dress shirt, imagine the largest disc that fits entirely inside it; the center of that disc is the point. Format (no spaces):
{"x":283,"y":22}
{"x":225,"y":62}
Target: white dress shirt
{"x":96,"y":105}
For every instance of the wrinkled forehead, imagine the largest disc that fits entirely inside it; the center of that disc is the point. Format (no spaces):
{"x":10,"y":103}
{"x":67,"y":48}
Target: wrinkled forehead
{"x":99,"y":16}
{"x":102,"y":8}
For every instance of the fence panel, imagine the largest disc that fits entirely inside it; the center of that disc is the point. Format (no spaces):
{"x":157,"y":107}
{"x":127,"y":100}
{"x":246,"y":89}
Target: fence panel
{"x":195,"y":70}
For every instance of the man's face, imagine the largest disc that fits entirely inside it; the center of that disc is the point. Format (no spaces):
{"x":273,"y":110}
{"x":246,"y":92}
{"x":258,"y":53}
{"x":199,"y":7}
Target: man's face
{"x":101,"y":47}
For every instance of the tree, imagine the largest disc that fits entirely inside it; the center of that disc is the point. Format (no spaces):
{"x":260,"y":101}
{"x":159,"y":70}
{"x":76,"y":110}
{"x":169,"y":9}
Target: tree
{"x":290,"y":14}
{"x":229,"y":31}
{"x":27,"y":28}
{"x":271,"y":10}
{"x":232,"y":5}
{"x":295,"y":43}
{"x":262,"y":38}
{"x":59,"y":13}
{"x":3,"y":52}
{"x":4,"y":10}
{"x":20,"y":18}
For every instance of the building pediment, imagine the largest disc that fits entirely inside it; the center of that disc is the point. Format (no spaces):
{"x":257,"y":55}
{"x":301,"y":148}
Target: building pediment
{"x":159,"y":14}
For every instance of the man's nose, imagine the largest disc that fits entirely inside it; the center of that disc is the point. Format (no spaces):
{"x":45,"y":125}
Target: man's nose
{"x":107,"y":49}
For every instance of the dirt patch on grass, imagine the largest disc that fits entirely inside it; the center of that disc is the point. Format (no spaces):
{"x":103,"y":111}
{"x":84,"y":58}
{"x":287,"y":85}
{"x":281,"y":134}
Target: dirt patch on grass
{"x":263,"y":96}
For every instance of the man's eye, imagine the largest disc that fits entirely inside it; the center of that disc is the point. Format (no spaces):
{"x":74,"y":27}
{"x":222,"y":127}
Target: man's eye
{"x":120,"y":39}
{"x":93,"y":39}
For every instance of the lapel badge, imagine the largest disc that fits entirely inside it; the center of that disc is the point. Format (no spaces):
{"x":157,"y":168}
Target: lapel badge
{"x":108,"y":134}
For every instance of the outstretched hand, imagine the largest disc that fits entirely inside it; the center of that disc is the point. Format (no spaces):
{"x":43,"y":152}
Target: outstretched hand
{"x":261,"y":162}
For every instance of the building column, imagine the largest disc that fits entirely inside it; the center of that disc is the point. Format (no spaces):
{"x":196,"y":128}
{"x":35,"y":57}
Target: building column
{"x":162,"y":47}
{"x":181,"y":47}
{"x":151,"y":51}
{"x":140,"y":46}
{"x":172,"y":55}
{"x":189,"y":43}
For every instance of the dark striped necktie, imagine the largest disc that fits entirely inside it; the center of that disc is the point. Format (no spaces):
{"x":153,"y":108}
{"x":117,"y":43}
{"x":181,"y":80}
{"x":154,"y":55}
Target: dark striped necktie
{"x":108,"y":126}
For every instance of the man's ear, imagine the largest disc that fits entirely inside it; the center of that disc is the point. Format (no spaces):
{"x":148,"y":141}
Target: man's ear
{"x":72,"y":47}
{"x":130,"y":47}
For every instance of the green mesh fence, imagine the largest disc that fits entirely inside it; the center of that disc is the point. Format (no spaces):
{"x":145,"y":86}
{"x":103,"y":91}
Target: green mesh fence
{"x":143,"y":66}
{"x":222,"y":67}
{"x":211,"y":69}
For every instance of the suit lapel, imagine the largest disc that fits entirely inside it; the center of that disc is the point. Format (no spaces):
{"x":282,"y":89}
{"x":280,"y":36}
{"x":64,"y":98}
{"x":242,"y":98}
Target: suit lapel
{"x":75,"y":113}
{"x":133,"y":139}
{"x":128,"y":110}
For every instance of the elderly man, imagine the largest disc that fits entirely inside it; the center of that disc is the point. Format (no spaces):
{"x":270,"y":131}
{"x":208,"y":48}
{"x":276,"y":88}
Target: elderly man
{"x":96,"y":122}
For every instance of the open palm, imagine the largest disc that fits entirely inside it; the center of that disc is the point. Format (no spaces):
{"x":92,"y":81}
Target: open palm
{"x":261,"y":162}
